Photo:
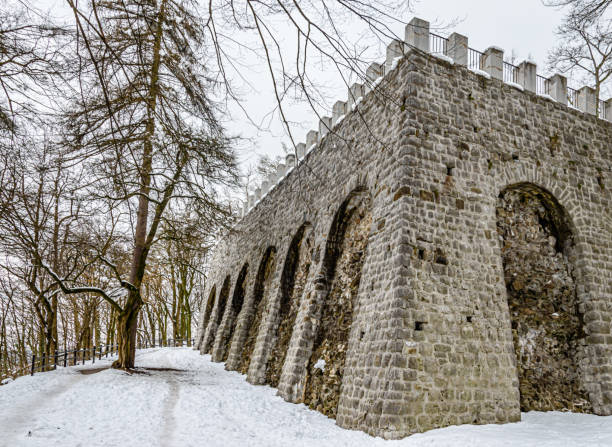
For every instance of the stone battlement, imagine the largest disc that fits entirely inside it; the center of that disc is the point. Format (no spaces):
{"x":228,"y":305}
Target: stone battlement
{"x":441,"y":253}
{"x":455,"y":50}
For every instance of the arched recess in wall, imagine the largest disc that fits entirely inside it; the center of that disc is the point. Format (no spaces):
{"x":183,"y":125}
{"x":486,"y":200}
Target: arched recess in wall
{"x":538,"y":253}
{"x":342,"y":264}
{"x":208,"y":310}
{"x":235,"y":308}
{"x":293,"y":279}
{"x":261,"y":289}
{"x":221,"y":302}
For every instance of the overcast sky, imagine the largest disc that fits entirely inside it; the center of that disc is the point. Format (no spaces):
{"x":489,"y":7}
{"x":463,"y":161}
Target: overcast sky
{"x":525,"y":26}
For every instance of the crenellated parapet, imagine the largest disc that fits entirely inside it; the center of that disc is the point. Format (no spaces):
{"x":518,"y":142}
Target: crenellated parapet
{"x":455,"y":50}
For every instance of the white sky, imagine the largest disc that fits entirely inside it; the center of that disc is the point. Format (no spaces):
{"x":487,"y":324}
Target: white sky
{"x":525,"y":26}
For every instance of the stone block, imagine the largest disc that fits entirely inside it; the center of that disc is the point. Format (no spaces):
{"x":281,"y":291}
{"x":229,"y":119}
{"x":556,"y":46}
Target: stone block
{"x":457,"y":48}
{"x":417,"y":34}
{"x":493,"y":62}
{"x":527,"y":75}
{"x":558,"y":88}
{"x":586,"y":100}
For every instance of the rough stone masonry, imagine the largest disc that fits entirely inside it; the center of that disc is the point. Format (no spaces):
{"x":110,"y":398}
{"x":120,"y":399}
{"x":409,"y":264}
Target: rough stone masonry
{"x":441,"y":254}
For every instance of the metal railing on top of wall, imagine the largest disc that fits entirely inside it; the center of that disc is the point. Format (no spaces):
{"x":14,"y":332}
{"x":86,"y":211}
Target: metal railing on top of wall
{"x":438,"y":44}
{"x":475,"y":59}
{"x":542,"y":85}
{"x":603,"y":114}
{"x":510,"y":73}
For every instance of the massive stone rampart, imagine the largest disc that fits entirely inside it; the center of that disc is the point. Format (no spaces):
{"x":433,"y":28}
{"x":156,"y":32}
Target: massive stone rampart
{"x":389,"y":228}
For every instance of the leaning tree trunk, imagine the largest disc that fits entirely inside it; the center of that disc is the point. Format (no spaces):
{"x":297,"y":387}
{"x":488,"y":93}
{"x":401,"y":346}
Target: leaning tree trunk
{"x":127,"y":324}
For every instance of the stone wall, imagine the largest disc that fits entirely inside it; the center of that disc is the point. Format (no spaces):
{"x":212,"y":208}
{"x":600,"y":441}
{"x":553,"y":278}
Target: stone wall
{"x":431,"y":339}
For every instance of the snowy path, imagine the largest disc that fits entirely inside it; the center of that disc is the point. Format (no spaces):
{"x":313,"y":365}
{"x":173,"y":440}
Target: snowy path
{"x":182,"y":399}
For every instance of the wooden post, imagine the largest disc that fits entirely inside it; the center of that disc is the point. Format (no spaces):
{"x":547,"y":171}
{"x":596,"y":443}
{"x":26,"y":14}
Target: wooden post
{"x":65,"y":358}
{"x":33,"y":362}
{"x":55,"y":360}
{"x":44,"y":362}
{"x":93,"y":357}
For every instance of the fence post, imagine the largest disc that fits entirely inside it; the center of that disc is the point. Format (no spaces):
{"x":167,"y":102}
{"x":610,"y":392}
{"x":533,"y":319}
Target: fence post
{"x":93,"y":357}
{"x":417,"y":34}
{"x":55,"y":360}
{"x":558,"y":88}
{"x":44,"y":362}
{"x":33,"y":363}
{"x":527,"y":76}
{"x":65,"y":358}
{"x":458,"y":48}
{"x":75,"y":357}
{"x":493,"y":62}
{"x":586,"y":100}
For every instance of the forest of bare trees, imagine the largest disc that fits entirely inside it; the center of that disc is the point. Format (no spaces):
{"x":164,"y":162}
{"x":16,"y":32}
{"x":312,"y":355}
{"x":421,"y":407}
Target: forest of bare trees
{"x":115,"y":165}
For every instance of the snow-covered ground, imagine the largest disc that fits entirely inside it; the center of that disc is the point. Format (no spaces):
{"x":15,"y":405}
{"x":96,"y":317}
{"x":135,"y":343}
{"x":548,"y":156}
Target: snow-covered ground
{"x":204,"y":405}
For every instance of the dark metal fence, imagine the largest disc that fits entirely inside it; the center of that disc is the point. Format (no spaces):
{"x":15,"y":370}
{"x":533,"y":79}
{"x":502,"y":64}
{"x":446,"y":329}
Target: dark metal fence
{"x":438,"y":44}
{"x":572,"y":97}
{"x":602,"y":112}
{"x":50,"y":361}
{"x":475,"y":59}
{"x":510,"y":72}
{"x":542,"y":85}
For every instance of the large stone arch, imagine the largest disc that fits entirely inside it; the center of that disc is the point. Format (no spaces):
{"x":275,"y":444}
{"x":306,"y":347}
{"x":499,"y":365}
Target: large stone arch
{"x":210,"y":303}
{"x":338,"y":285}
{"x":234,"y":310}
{"x":293,"y":280}
{"x":540,"y":259}
{"x":261,"y":289}
{"x":216,"y":316}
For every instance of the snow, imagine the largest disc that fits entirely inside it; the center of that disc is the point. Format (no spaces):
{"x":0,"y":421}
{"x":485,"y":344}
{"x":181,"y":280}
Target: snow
{"x":544,"y":95}
{"x":320,"y":364}
{"x":394,"y":62}
{"x":200,"y":404}
{"x":357,"y":102}
{"x":377,"y":81}
{"x":312,"y":146}
{"x":443,"y":57}
{"x":339,"y":120}
{"x":481,"y":73}
{"x":515,"y":85}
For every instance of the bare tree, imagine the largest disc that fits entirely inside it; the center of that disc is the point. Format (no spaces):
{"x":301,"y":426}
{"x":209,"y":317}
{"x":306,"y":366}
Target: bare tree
{"x":583,"y":10}
{"x":586,"y":47}
{"x":145,"y":126}
{"x":39,"y":209}
{"x":150,"y":80}
{"x":30,"y":56}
